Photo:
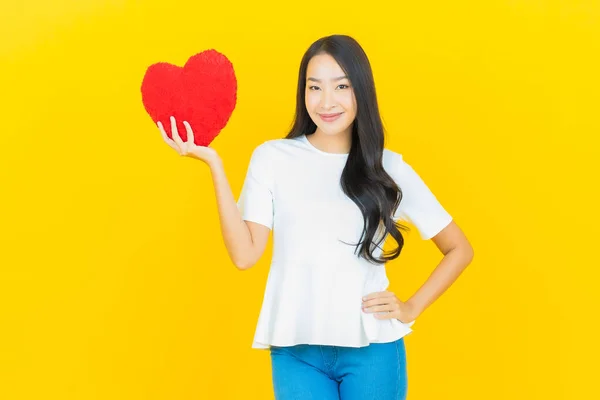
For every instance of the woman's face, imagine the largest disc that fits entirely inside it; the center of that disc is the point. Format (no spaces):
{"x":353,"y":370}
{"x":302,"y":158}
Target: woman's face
{"x":328,"y":92}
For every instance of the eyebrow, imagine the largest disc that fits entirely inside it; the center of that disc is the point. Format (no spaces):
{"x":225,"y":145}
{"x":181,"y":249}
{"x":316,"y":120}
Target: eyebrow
{"x":339,"y":78}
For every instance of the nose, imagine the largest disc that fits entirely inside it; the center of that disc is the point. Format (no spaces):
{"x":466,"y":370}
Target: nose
{"x":327,"y":100}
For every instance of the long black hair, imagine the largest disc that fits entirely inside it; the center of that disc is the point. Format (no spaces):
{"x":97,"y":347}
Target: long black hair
{"x":363,"y":179}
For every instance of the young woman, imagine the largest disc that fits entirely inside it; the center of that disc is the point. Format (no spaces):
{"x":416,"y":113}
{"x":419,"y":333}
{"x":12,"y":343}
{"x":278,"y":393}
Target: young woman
{"x":332,"y":193}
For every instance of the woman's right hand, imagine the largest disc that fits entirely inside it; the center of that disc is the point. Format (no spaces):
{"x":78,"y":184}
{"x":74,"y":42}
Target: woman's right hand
{"x":188,"y":148}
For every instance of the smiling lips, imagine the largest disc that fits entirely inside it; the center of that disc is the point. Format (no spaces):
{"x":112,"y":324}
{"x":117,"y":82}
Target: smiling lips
{"x":330,"y":117}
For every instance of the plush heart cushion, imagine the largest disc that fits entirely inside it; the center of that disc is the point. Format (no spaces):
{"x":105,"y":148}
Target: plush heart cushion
{"x":203,"y":93}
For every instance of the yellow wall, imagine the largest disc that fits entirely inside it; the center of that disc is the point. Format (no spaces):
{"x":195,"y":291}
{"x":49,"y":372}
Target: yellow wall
{"x":115,"y":283}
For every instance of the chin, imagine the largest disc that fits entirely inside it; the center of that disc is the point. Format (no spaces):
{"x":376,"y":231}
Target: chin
{"x":332,"y":131}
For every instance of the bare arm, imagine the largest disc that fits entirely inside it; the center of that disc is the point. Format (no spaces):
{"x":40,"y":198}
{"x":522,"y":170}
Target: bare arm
{"x":245,"y":241}
{"x":458,"y":254}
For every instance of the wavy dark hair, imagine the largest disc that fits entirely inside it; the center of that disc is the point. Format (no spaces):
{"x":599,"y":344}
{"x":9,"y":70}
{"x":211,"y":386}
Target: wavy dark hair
{"x":363,"y":179}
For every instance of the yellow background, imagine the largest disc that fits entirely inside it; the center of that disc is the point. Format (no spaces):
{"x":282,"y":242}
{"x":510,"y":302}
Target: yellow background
{"x":115,"y":283}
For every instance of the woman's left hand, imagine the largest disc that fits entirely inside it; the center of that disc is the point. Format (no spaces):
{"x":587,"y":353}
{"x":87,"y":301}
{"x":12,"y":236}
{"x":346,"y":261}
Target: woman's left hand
{"x":387,"y":303}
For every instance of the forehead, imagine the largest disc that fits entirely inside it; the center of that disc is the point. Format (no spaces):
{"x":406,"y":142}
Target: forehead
{"x":323,"y":66}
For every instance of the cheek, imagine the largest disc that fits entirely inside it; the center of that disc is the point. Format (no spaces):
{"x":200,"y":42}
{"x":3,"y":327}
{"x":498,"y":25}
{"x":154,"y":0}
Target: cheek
{"x":311,"y":101}
{"x":350,"y":104}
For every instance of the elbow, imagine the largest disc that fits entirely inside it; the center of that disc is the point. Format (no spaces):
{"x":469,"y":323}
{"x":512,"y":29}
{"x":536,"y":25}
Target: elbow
{"x":463,"y":252}
{"x":245,"y":260}
{"x":468,"y":254}
{"x":242,"y":265}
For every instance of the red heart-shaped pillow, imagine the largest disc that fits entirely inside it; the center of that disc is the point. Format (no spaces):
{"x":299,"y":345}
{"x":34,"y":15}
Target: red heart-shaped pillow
{"x":203,"y":93}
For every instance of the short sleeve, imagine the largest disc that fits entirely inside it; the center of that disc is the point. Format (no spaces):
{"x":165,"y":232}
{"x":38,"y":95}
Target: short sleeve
{"x":419,"y":205}
{"x":256,"y":197}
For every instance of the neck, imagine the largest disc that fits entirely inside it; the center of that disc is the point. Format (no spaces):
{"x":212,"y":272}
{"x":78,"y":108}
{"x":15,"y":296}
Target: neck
{"x":332,"y":143}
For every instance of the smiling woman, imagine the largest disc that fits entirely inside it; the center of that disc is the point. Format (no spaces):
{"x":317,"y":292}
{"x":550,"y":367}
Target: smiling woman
{"x":332,"y":193}
{"x":109,"y":250}
{"x":330,"y":98}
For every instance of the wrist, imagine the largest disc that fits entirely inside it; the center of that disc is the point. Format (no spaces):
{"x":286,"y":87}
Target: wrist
{"x":215,"y":163}
{"x":413,"y":309}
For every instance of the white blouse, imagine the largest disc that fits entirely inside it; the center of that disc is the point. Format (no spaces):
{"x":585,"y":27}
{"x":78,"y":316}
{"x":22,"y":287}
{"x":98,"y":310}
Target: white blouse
{"x":315,"y":284}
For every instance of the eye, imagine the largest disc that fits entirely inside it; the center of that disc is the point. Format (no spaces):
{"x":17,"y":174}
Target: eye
{"x":311,"y":87}
{"x":344,"y":85}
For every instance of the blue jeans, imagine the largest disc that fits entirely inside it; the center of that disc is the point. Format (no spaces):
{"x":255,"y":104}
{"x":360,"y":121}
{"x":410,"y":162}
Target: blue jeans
{"x":374,"y":372}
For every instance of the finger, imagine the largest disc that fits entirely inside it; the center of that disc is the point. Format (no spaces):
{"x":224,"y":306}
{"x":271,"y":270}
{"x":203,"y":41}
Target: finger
{"x":382,"y":308}
{"x":170,"y":142}
{"x":371,"y":296}
{"x":190,"y":133}
{"x":377,"y":294}
{"x":386,"y":315}
{"x":175,"y":134}
{"x":376,"y":301}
